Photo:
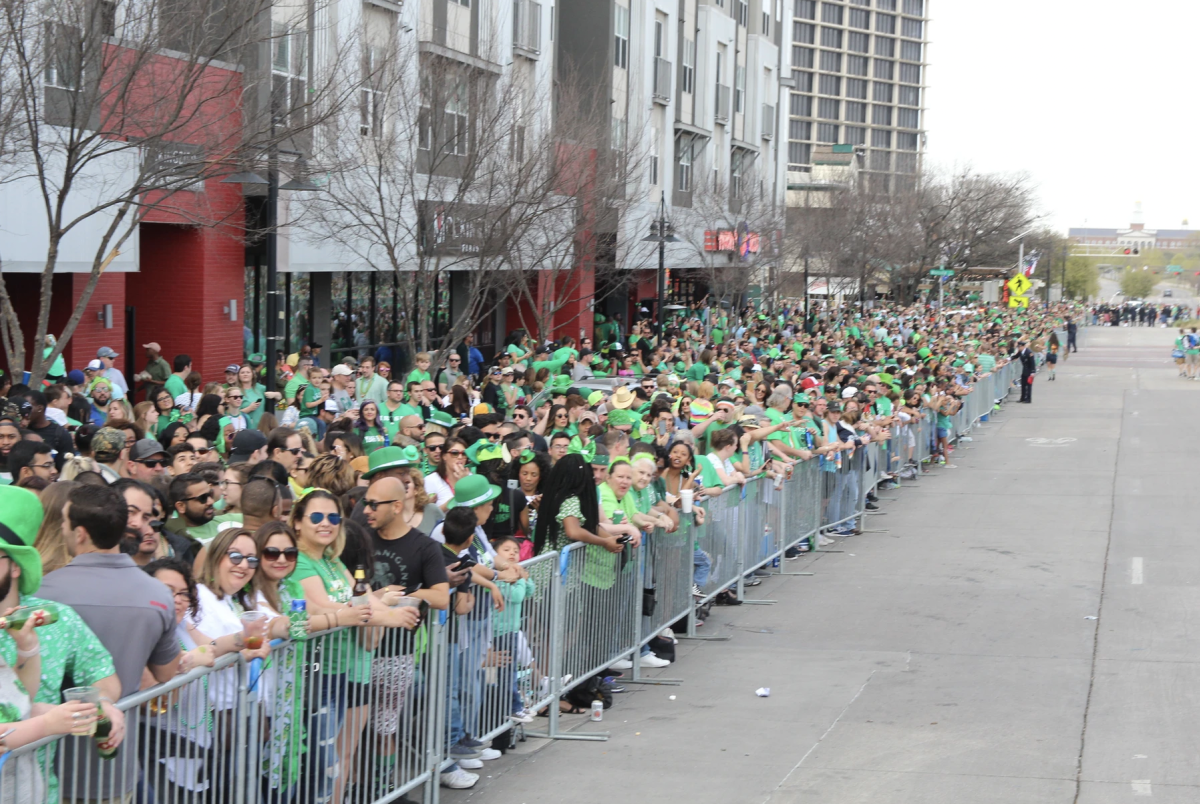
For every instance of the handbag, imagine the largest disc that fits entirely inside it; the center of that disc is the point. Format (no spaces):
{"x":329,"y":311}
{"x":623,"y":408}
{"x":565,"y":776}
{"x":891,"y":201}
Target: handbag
{"x":649,"y":601}
{"x":1177,"y":354}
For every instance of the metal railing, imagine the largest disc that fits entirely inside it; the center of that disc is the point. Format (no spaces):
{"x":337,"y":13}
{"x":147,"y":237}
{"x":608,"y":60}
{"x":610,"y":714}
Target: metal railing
{"x":527,"y":26}
{"x":722,"y":109}
{"x":367,"y":715}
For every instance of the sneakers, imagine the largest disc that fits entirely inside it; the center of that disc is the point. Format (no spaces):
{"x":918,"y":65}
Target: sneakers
{"x":459,"y":779}
{"x":751,"y":581}
{"x":488,"y":754}
{"x":472,"y":743}
{"x":459,"y":751}
{"x":872,"y":506}
{"x":650,"y":660}
{"x":822,"y":541}
{"x":762,"y":572}
{"x":470,"y":764}
{"x":696,"y":591}
{"x":524,"y":716}
{"x":621,"y":664}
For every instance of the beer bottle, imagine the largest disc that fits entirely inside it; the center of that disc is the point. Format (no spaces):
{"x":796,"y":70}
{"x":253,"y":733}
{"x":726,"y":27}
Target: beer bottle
{"x":103,"y":730}
{"x":42,"y":615}
{"x":359,"y":596}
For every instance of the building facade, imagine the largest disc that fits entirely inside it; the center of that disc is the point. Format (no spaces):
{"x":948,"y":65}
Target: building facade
{"x":858,"y":78}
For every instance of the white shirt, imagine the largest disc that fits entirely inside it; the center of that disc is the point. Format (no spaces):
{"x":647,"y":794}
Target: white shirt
{"x":217,"y":618}
{"x":57,"y":416}
{"x":438,"y":488}
{"x":115,"y":376}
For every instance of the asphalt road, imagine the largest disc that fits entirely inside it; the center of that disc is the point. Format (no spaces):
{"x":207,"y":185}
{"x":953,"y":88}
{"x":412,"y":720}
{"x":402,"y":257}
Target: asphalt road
{"x":1022,"y":632}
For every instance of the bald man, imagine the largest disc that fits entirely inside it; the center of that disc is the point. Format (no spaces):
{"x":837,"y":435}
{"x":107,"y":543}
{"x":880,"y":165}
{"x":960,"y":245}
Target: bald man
{"x":406,"y":560}
{"x":413,"y":427}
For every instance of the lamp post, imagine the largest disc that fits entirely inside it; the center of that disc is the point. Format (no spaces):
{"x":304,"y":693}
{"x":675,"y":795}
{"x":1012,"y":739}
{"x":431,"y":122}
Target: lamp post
{"x":249,"y":178}
{"x":662,"y":232}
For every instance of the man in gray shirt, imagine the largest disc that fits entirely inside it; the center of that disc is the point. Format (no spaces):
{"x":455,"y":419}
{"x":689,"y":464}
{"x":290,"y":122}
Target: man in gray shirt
{"x":131,"y":613}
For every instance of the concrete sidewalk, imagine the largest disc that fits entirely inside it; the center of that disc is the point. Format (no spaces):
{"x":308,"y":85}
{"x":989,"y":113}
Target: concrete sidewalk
{"x":952,"y":658}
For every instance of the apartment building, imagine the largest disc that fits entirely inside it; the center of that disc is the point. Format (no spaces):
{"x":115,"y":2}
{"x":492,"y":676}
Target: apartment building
{"x":858,"y":79}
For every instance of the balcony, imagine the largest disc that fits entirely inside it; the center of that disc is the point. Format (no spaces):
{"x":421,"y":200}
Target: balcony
{"x":768,"y":122}
{"x":662,"y":81}
{"x":722,"y":110}
{"x":527,"y":28}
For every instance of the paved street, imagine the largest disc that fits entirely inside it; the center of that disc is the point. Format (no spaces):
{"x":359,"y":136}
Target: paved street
{"x":1021,"y":633}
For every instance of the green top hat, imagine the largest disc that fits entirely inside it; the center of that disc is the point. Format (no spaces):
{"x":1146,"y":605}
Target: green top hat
{"x":473,"y":491}
{"x":391,"y":458}
{"x":20,"y":518}
{"x":256,"y":359}
{"x":441,"y":418}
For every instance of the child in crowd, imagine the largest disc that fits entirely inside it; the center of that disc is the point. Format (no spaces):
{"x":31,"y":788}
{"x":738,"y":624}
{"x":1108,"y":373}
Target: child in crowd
{"x":508,"y":641}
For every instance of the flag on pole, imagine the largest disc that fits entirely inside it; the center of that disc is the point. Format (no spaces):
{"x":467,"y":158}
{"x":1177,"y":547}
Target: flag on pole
{"x":1030,"y":264}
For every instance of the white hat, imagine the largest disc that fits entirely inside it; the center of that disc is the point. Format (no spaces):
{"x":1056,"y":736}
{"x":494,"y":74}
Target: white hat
{"x":95,"y":365}
{"x":849,"y":392}
{"x":331,"y":405}
{"x":341,"y":370}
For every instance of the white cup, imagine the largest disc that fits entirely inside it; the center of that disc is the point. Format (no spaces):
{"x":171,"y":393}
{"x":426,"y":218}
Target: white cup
{"x":686,"y":496}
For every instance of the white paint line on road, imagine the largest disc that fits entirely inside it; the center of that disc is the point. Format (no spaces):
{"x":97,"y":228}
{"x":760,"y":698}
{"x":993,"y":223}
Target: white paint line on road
{"x":1136,"y":575}
{"x":1141,"y":787}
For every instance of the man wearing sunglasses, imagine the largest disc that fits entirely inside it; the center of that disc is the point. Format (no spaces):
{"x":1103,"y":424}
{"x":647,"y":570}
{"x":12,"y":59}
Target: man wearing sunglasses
{"x":192,"y":499}
{"x":406,"y":560}
{"x":147,"y":460}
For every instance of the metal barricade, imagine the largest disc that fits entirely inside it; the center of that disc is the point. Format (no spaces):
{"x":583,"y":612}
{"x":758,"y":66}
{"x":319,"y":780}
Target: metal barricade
{"x":720,"y":540}
{"x":759,"y":545}
{"x":597,"y":612}
{"x":667,"y":567}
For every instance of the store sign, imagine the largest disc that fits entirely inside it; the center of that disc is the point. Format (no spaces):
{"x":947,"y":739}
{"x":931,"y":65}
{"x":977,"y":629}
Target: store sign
{"x":742,"y":242}
{"x":454,"y":229}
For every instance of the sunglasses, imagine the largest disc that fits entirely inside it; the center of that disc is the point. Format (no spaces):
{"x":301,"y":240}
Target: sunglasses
{"x":273,"y":553}
{"x":203,"y":450}
{"x":456,"y":452}
{"x":237,"y":558}
{"x":316,"y":517}
{"x":235,"y":397}
{"x":434,"y":447}
{"x":295,"y":450}
{"x":154,"y":463}
{"x":204,"y":498}
{"x":494,"y":437}
{"x":374,"y":504}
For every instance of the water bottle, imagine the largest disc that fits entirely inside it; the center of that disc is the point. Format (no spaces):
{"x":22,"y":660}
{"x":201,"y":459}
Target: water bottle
{"x":299,"y":620}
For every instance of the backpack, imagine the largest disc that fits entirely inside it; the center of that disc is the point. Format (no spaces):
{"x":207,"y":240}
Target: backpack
{"x":594,"y":689}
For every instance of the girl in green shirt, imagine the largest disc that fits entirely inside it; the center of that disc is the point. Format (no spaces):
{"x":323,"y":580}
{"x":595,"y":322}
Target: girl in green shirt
{"x":370,"y":428}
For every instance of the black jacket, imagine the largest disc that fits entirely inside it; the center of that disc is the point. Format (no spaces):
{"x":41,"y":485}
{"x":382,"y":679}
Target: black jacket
{"x":1028,"y":362}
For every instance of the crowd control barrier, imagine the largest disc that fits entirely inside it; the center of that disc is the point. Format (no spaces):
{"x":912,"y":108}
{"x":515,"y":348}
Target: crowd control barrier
{"x":369,"y":715}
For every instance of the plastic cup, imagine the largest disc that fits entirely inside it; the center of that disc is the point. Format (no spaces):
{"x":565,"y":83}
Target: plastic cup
{"x":686,"y":496}
{"x":85,"y":695}
{"x":254,"y":628}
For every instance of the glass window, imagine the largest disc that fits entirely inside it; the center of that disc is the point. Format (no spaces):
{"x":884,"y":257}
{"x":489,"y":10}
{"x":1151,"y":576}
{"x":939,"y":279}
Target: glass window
{"x":856,"y":88}
{"x":910,"y":96}
{"x":883,"y":70}
{"x":801,"y":105}
{"x":886,"y":5}
{"x":685,"y":165}
{"x":831,"y":37}
{"x":828,"y":108}
{"x":908,"y":118}
{"x":804,"y":33}
{"x":885,"y":23}
{"x":856,"y":65}
{"x":856,"y":135}
{"x":881,"y":93}
{"x":860,"y":19}
{"x":739,"y":89}
{"x":910,"y":51}
{"x":913,"y":29}
{"x":827,"y":132}
{"x":856,"y":112}
{"x":831,"y":85}
{"x":885,"y":46}
{"x":906,"y":163}
{"x":688,"y":77}
{"x":806,"y":9}
{"x":799,"y":153}
{"x":910,"y":73}
{"x":621,"y":46}
{"x":804,"y":81}
{"x":906,"y":142}
{"x":831,"y":62}
{"x":859,"y":42}
{"x":802,"y":57}
{"x":914,"y":7}
{"x":881,"y":115}
{"x":799,"y":130}
{"x":831,"y":13}
{"x":881,"y":160}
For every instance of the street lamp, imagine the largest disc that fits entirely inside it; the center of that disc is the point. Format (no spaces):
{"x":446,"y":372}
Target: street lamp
{"x":297,"y":183}
{"x":662,"y":232}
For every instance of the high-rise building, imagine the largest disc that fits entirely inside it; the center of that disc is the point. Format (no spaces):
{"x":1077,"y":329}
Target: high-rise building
{"x":858,"y":75}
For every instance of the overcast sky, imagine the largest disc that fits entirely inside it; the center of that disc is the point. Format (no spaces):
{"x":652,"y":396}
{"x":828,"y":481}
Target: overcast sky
{"x":1050,"y":87}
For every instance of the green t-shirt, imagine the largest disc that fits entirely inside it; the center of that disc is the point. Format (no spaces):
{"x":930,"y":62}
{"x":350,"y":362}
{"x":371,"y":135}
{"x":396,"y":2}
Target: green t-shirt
{"x":175,"y":386}
{"x":697,"y":371}
{"x":343,"y":654}
{"x":601,"y":569}
{"x":416,"y":375}
{"x":373,"y":439}
{"x":252,"y":395}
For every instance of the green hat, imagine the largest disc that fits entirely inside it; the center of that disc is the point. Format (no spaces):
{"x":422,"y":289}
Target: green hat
{"x":473,"y":450}
{"x":256,"y":359}
{"x":923,"y":352}
{"x":391,"y":458}
{"x":599,"y":318}
{"x":561,"y":382}
{"x":20,"y":518}
{"x":681,"y":367}
{"x":802,"y":399}
{"x":595,"y":398}
{"x":598,"y":459}
{"x":620,"y":418}
{"x":957,"y":363}
{"x":473,"y":491}
{"x":441,"y":418}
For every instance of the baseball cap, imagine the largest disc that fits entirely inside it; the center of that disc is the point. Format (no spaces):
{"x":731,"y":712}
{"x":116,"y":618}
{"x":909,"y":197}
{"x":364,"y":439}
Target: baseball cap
{"x":75,"y":377}
{"x":94,"y":365}
{"x":331,"y":405}
{"x":152,"y":345}
{"x":245,"y":443}
{"x":341,"y":370}
{"x":849,"y":392}
{"x":232,"y":368}
{"x":107,"y":351}
{"x":141,"y":450}
{"x":808,"y":383}
{"x":109,"y":440}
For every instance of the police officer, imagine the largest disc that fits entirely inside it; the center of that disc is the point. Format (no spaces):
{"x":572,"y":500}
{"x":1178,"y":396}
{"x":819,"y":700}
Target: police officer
{"x":1028,"y":367}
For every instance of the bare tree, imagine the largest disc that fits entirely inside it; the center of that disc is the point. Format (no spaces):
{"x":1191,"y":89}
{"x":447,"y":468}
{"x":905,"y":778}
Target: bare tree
{"x":111,"y":112}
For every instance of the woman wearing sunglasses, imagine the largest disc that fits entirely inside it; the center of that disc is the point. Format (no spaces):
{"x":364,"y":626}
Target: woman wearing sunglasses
{"x":450,"y":469}
{"x":326,"y":584}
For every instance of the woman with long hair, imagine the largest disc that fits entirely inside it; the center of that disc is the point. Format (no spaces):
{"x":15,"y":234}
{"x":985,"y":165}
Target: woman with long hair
{"x":460,"y":402}
{"x":369,"y":427}
{"x":451,"y":468}
{"x":208,"y":417}
{"x":174,"y":433}
{"x":145,"y":416}
{"x":344,"y":444}
{"x":50,"y":544}
{"x":119,"y":409}
{"x":570,"y":509}
{"x":253,"y":395}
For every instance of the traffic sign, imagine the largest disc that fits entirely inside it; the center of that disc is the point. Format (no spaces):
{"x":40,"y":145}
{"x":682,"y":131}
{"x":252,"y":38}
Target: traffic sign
{"x":942,"y":272}
{"x":1174,"y":269}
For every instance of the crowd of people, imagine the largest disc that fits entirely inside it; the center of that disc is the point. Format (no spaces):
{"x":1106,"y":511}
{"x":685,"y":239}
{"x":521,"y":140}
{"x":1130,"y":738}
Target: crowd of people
{"x":213,"y":517}
{"x":1142,"y":314}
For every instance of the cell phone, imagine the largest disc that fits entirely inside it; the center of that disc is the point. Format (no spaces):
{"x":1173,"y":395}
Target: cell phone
{"x":624,"y":539}
{"x":466,"y":562}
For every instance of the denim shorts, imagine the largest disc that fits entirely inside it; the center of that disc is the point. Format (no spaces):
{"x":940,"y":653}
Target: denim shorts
{"x":942,"y":432}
